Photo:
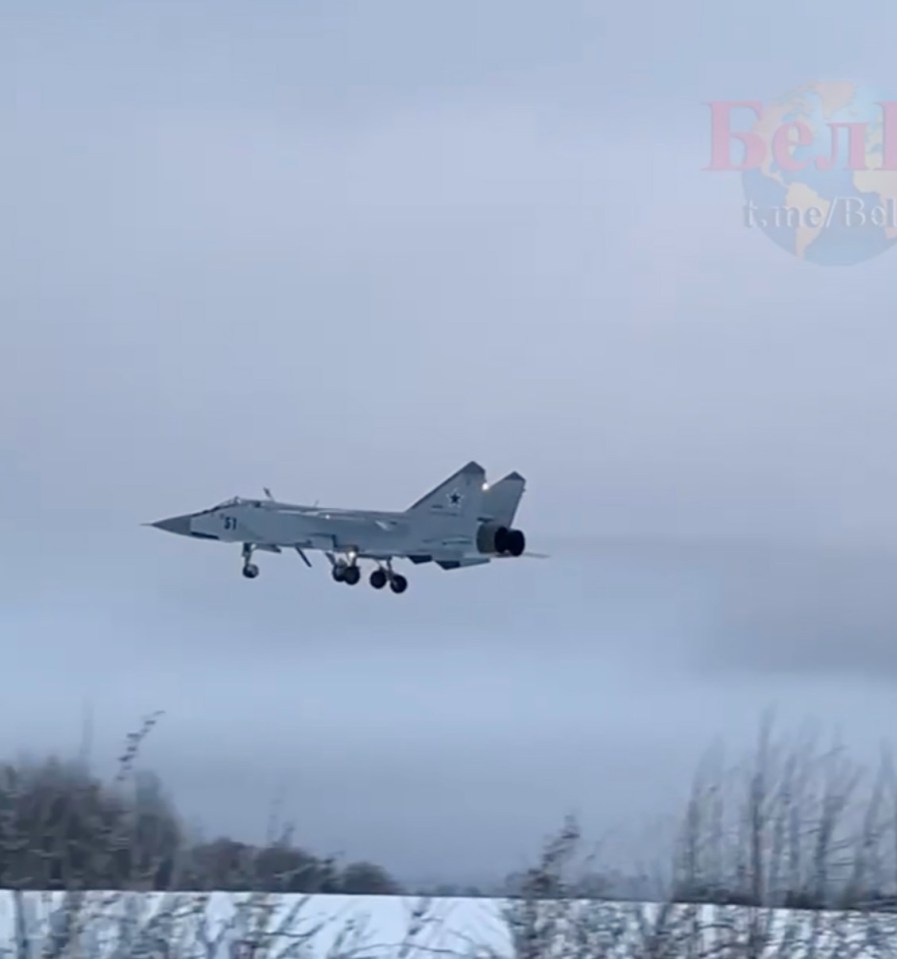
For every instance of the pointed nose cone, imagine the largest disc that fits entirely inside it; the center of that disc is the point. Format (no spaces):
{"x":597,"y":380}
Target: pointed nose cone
{"x":177,"y":524}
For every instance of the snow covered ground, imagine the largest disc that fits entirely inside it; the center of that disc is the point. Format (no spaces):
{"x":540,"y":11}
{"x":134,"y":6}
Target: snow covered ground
{"x":237,"y":926}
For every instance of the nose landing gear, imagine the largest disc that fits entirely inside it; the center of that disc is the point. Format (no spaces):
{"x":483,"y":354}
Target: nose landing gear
{"x":250,"y":570}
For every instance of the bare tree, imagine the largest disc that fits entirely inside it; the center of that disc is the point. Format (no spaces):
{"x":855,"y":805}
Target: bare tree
{"x":61,"y":831}
{"x":790,"y":853}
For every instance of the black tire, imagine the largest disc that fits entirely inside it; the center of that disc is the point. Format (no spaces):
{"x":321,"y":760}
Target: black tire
{"x":338,"y":573}
{"x":378,"y":578}
{"x":516,"y":542}
{"x":351,"y":575}
{"x":398,"y":583}
{"x":250,"y":571}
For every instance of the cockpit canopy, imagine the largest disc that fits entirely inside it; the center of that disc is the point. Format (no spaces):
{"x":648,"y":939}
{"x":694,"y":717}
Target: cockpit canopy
{"x":233,"y":501}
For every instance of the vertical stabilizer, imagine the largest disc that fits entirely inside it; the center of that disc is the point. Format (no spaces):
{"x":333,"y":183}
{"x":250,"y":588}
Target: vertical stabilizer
{"x":460,"y":496}
{"x":500,"y":501}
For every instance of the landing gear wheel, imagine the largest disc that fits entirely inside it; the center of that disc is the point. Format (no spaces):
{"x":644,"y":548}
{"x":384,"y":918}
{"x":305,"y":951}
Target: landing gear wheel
{"x":351,"y":575}
{"x":378,"y":578}
{"x":338,"y":572}
{"x":250,"y":571}
{"x":398,"y":583}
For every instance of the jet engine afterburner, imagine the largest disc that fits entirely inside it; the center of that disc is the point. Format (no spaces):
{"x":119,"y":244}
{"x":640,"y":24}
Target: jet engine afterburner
{"x":492,"y":538}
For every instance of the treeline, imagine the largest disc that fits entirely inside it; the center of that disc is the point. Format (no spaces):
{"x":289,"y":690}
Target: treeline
{"x":790,"y":825}
{"x":63,"y":828}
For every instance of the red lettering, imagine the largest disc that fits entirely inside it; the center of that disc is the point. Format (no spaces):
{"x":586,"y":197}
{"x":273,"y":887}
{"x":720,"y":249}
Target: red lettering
{"x":889,"y":134}
{"x":783,"y":144}
{"x":856,"y":146}
{"x":721,"y":135}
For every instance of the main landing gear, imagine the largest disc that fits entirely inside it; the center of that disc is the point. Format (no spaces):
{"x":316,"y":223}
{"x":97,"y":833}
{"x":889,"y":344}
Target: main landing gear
{"x":342,"y":570}
{"x":350,"y":574}
{"x":380,"y":577}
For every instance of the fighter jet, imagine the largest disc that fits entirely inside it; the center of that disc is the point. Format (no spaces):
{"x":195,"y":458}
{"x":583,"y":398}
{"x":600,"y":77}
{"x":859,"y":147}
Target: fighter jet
{"x":464,"y":521}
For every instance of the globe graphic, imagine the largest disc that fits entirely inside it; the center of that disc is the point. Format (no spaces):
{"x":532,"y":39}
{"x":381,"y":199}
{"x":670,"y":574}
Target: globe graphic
{"x":826,"y":213}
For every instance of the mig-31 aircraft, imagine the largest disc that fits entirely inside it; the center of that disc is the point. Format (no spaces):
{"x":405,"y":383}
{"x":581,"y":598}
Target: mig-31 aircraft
{"x":463,"y":522}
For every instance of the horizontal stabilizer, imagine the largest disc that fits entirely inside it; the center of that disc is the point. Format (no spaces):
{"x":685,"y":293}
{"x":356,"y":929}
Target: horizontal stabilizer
{"x":462,"y":562}
{"x":527,"y":554}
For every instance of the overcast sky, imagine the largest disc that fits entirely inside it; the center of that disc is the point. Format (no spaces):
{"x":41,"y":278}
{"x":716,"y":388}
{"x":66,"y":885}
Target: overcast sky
{"x":339,"y":249}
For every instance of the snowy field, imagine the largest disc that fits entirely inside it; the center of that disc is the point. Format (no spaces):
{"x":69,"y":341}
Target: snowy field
{"x":237,"y":926}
